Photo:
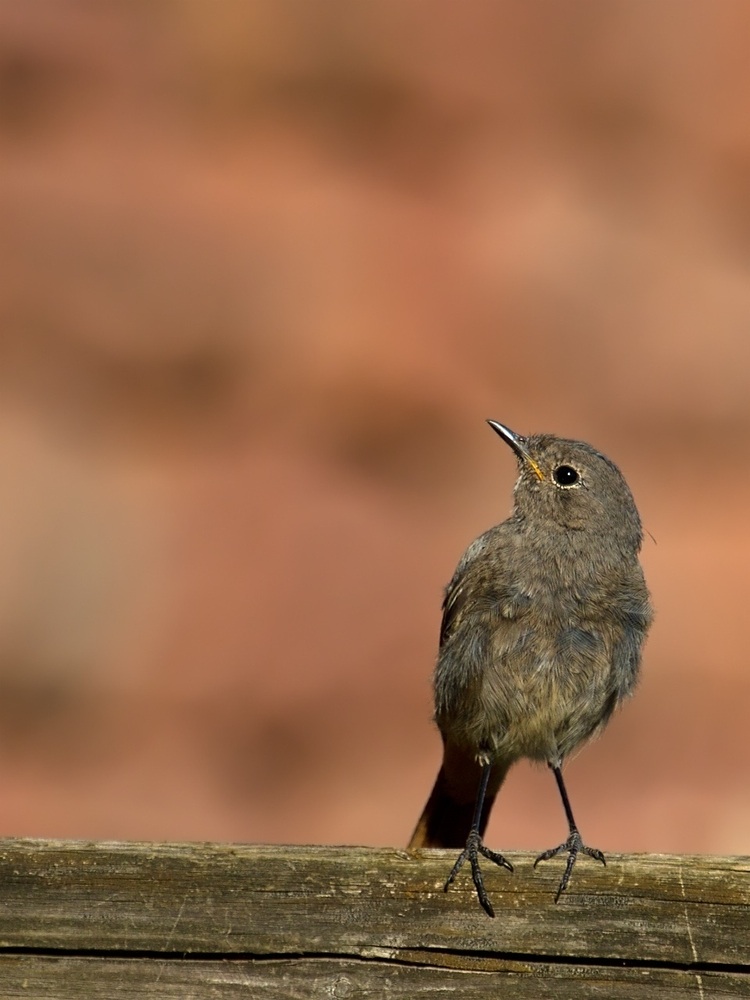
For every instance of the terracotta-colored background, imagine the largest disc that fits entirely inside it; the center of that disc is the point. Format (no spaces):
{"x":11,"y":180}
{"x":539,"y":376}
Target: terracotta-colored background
{"x":265,"y":268}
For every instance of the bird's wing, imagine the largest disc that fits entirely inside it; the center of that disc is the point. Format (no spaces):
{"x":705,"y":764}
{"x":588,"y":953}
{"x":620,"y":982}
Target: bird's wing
{"x":482,"y":584}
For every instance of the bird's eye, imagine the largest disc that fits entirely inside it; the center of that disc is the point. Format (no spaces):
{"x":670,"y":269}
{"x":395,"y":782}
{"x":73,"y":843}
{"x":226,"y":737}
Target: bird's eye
{"x":565,"y":475}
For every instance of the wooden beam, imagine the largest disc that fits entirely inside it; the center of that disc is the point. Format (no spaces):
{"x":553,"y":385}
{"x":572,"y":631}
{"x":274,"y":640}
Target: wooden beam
{"x":213,"y":920}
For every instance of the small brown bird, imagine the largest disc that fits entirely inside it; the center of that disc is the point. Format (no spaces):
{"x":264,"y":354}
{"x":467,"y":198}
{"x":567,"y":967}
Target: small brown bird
{"x":541,"y":637}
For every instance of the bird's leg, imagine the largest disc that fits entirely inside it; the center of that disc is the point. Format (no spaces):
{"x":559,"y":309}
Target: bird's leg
{"x":475,"y":847}
{"x":573,"y":845}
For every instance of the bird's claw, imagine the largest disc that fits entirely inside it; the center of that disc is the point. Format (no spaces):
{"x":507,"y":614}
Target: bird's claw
{"x":574,"y":846}
{"x":475,"y":847}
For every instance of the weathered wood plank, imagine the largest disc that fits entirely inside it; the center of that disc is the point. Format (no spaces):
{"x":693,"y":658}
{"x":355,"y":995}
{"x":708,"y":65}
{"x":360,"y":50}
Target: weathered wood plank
{"x":120,"y":920}
{"x":338,"y":979}
{"x":228,"y":900}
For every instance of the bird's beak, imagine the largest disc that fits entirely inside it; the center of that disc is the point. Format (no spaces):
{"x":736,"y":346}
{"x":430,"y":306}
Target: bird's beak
{"x":517,"y":443}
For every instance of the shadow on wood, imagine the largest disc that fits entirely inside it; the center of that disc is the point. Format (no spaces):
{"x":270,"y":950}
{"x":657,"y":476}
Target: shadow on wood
{"x":212,"y":920}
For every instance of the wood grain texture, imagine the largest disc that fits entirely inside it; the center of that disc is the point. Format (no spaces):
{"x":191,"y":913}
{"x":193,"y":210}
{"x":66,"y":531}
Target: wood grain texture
{"x":212,"y":920}
{"x":344,"y":979}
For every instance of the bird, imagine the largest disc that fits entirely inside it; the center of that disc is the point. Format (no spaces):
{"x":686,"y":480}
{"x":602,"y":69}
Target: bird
{"x":543,"y":625}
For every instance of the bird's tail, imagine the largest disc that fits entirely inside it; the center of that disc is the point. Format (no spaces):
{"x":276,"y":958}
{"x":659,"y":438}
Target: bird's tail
{"x":446,"y":819}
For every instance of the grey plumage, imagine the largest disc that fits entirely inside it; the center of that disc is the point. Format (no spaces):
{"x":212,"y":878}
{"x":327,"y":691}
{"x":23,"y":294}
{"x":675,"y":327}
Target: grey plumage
{"x":541,"y":637}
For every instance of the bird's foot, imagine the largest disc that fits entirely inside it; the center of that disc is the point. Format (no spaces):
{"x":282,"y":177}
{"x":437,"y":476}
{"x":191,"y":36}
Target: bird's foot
{"x":574,"y":846}
{"x":475,"y":847}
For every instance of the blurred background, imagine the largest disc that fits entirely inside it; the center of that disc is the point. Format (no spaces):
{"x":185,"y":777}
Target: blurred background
{"x":266,"y":266}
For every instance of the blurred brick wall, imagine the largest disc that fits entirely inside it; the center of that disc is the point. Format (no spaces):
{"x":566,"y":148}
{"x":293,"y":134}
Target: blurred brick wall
{"x":266,"y":267}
